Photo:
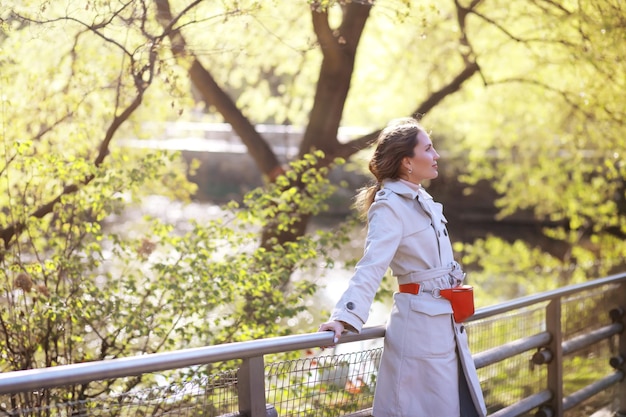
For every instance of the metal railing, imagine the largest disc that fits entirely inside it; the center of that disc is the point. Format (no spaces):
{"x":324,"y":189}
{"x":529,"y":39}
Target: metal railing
{"x":523,"y":350}
{"x":552,"y":347}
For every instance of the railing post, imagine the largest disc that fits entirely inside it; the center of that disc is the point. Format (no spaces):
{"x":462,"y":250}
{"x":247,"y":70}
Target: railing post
{"x":251,"y":387}
{"x":555,"y":366}
{"x":621,"y":388}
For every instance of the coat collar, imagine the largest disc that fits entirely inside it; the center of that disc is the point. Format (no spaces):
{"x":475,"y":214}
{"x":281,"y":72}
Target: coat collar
{"x":404,"y":190}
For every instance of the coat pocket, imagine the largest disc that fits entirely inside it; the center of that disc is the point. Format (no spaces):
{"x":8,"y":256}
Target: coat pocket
{"x":426,"y":304}
{"x":424,"y":329}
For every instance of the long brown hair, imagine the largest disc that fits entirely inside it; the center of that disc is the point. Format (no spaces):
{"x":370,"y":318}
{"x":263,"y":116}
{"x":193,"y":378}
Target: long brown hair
{"x":395,"y":142}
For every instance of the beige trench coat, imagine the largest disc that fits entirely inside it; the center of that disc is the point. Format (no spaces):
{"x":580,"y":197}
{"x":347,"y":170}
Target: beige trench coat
{"x":418,"y":374}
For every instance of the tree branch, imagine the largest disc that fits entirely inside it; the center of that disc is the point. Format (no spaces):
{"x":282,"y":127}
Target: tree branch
{"x":453,"y":86}
{"x":348,"y":149}
{"x":259,"y":149}
{"x":324,"y":33}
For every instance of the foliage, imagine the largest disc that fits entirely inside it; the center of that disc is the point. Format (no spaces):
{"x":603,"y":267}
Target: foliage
{"x":547,"y":133}
{"x":61,"y":178}
{"x":74,"y":291}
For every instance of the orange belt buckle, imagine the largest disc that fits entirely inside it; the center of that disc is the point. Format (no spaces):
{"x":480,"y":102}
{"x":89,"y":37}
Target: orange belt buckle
{"x":411,"y":288}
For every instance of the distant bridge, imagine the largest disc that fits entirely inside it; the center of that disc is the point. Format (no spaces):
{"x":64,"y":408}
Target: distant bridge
{"x":227,"y":171}
{"x":221,"y":138}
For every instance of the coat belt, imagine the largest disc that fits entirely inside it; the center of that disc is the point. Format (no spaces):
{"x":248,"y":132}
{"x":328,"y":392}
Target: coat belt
{"x":454,"y":270}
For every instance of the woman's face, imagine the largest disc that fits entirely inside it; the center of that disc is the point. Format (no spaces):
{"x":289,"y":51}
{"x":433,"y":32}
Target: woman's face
{"x":423,"y":164}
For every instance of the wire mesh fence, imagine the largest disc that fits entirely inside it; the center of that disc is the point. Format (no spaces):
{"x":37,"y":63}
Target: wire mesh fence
{"x":213,"y":395}
{"x":508,"y":382}
{"x":325,"y":385}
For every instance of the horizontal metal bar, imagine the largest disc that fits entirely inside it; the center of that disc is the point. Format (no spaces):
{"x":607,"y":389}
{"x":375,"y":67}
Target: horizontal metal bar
{"x":592,"y":389}
{"x":525,"y":405}
{"x":510,"y":349}
{"x":588,"y":339}
{"x":546,"y":296}
{"x":363,"y":413}
{"x":57,"y":376}
{"x":270,"y":411}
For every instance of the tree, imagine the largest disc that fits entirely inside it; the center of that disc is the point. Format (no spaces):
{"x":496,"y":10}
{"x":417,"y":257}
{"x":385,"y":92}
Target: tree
{"x":455,"y":59}
{"x":338,"y":46}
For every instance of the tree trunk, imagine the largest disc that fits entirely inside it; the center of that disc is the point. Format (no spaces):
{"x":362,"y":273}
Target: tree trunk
{"x":339,"y":49}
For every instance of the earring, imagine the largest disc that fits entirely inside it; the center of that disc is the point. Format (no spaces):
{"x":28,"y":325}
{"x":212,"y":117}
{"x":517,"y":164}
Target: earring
{"x":410,"y":170}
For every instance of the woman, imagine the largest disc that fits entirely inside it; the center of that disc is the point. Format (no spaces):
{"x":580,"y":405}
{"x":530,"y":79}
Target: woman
{"x":426,"y":368}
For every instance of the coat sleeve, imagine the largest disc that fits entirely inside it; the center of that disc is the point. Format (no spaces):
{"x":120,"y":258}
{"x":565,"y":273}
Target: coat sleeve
{"x":383,"y":238}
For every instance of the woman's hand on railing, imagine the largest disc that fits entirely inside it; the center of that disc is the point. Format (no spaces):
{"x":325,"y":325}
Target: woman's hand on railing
{"x":334,"y":326}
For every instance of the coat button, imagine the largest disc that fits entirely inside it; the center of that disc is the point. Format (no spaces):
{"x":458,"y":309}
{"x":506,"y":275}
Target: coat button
{"x":462,"y":329}
{"x":381,"y":192}
{"x":350,"y":305}
{"x":445,"y":232}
